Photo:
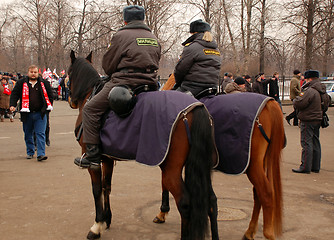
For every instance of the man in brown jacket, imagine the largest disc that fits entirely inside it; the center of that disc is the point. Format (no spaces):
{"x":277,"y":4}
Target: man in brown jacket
{"x":310,"y":106}
{"x":133,"y":60}
{"x":294,"y":92}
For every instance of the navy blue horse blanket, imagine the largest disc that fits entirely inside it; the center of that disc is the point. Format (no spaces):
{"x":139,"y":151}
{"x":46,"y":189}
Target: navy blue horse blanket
{"x":145,"y":134}
{"x":234,"y":118}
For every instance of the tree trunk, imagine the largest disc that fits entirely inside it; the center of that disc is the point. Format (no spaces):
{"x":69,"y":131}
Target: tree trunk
{"x":235,"y":53}
{"x":261,"y":42}
{"x":249,"y":6}
{"x":309,"y":34}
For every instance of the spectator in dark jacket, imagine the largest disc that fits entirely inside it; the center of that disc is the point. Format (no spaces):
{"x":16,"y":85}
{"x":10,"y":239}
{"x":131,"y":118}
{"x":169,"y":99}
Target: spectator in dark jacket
{"x":310,"y":106}
{"x":199,"y":65}
{"x":35,"y":95}
{"x":274,"y":88}
{"x":265,"y":83}
{"x":248,"y":85}
{"x":228,"y":78}
{"x":260,"y":84}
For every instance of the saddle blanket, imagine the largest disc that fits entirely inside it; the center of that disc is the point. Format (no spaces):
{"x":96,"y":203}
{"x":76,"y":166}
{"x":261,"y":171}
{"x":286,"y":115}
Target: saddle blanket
{"x":145,"y":134}
{"x":234,"y":118}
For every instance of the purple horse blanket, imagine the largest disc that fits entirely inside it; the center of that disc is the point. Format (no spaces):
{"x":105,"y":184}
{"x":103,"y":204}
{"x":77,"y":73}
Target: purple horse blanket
{"x":234,"y":118}
{"x":145,"y":134}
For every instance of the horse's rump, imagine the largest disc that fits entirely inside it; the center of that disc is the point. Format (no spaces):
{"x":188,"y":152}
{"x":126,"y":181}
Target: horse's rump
{"x":234,"y":116}
{"x":145,"y":134}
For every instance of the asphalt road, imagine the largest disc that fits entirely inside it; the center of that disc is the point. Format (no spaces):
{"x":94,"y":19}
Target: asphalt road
{"x":53,"y":199}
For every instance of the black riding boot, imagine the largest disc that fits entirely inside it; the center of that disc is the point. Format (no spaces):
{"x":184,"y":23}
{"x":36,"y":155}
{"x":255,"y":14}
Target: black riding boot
{"x":91,"y":157}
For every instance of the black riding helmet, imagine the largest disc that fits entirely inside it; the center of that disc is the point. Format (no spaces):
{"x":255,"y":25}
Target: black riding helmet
{"x":121,"y":100}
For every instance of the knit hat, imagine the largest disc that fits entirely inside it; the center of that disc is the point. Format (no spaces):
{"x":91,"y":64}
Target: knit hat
{"x":133,"y":12}
{"x":311,"y":74}
{"x":296,"y":72}
{"x":239,"y":81}
{"x":199,"y":26}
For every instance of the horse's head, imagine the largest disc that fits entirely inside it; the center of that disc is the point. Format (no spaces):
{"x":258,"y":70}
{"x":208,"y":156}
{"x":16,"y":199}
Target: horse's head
{"x":82,"y":78}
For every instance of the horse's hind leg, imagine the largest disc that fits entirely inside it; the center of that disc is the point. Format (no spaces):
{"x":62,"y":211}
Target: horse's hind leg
{"x":253,"y":225}
{"x":213,"y":214}
{"x":164,"y":208}
{"x":263,"y":191}
{"x":108,"y":167}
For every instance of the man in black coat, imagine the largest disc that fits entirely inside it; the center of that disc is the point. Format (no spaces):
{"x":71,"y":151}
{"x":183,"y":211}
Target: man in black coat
{"x":274,"y":88}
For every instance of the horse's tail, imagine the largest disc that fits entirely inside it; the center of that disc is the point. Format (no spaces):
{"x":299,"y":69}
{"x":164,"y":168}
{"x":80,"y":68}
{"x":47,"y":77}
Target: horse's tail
{"x":273,"y":158}
{"x":198,"y":172}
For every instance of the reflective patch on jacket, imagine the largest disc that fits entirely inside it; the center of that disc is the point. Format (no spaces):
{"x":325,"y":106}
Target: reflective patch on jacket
{"x":211,"y":52}
{"x":147,"y":42}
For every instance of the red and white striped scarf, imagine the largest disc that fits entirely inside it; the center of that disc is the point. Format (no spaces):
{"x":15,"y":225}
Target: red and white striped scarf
{"x":25,"y":98}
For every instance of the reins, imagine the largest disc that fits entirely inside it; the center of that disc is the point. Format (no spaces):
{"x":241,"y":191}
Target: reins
{"x":97,"y":88}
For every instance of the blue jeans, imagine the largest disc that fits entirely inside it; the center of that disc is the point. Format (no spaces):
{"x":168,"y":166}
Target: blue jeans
{"x":35,"y":124}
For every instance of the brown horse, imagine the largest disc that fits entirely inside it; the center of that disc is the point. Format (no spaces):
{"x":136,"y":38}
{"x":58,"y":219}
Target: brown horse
{"x":194,"y":195}
{"x":263,"y":171}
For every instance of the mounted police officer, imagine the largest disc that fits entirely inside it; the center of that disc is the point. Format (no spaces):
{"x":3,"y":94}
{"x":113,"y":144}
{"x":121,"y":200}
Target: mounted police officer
{"x":199,"y":66}
{"x":132,"y":60}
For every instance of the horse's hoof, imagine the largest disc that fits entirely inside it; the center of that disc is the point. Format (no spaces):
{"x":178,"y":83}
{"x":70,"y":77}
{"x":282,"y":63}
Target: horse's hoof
{"x":92,"y":235}
{"x":245,"y":238}
{"x":158,"y":220}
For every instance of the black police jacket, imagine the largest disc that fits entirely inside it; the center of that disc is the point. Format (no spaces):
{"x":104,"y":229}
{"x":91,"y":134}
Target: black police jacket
{"x":199,"y":65}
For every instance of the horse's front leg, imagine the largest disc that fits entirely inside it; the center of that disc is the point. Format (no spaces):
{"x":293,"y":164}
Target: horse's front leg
{"x":164,"y":208}
{"x":108,"y":167}
{"x":96,"y":179}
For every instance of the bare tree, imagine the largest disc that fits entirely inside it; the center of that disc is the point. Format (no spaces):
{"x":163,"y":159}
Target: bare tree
{"x":35,"y":21}
{"x":303,"y":16}
{"x":91,"y":16}
{"x":59,"y":31}
{"x":326,"y":39}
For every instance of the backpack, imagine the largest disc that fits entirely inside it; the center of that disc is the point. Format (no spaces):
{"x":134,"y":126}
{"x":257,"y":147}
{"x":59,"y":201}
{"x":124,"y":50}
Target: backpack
{"x":324,"y":106}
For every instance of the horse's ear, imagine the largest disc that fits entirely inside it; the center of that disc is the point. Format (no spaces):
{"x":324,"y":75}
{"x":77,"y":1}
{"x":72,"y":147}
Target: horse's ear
{"x":89,"y":57}
{"x":72,"y":56}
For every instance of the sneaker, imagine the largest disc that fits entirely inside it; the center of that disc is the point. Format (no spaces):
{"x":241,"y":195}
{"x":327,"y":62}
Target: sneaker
{"x":30,"y":156}
{"x":41,"y":158}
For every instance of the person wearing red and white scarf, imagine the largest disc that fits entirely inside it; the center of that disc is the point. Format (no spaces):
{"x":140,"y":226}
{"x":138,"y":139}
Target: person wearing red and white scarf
{"x":5,"y":91}
{"x":35,"y":95}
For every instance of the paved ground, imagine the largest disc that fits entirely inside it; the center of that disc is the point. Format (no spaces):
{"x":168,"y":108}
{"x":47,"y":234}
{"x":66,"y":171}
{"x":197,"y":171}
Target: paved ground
{"x":53,"y":199}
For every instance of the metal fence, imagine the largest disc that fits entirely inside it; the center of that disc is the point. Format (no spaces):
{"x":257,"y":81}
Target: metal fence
{"x":284,"y":86}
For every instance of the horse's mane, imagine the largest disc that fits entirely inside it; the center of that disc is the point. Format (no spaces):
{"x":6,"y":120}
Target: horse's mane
{"x":83,"y":77}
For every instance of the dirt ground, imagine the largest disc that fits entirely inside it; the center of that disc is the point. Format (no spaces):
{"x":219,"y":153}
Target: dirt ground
{"x":53,"y":199}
